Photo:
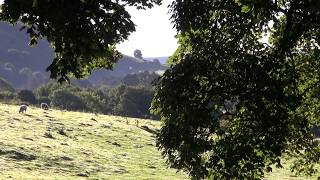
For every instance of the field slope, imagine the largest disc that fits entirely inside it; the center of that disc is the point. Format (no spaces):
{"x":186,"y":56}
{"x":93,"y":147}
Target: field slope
{"x":58,"y":144}
{"x":71,"y":145}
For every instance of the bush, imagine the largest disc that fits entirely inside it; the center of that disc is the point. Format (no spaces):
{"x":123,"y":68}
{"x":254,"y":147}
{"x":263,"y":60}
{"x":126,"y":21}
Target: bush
{"x":135,"y":102}
{"x":44,"y":100}
{"x":131,"y":80}
{"x":27,"y":96}
{"x":47,"y":89}
{"x":92,"y":100}
{"x":64,"y":99}
{"x":42,"y":91}
{"x":7,"y":95}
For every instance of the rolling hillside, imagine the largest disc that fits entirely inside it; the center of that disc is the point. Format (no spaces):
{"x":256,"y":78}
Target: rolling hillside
{"x":58,"y":144}
{"x":71,"y":145}
{"x":20,"y":63}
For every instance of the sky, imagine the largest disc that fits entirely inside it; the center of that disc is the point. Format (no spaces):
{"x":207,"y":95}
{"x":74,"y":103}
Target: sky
{"x":154,"y":34}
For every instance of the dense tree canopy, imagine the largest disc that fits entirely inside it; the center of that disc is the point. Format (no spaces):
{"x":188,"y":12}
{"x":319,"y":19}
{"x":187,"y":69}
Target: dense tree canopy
{"x":83,"y":33}
{"x":233,"y":104}
{"x":27,"y":96}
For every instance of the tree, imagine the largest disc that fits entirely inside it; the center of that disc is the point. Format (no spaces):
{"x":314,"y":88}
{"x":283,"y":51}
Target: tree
{"x":83,"y":33}
{"x":131,"y":80}
{"x":223,"y":61}
{"x":92,"y":100}
{"x":134,"y":102}
{"x":49,"y":88}
{"x":7,"y":96}
{"x":137,"y":54}
{"x":156,"y":61}
{"x":44,"y":100}
{"x":27,"y":96}
{"x":64,"y":99}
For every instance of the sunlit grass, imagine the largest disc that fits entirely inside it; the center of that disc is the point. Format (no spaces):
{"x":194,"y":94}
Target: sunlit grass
{"x":286,"y":174}
{"x":68,"y":145}
{"x":58,"y":144}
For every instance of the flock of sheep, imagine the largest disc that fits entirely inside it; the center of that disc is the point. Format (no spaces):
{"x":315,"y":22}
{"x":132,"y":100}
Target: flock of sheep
{"x":23,"y":107}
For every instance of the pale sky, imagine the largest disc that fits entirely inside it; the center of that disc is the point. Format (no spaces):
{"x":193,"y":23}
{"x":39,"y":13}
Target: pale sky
{"x":154,"y":34}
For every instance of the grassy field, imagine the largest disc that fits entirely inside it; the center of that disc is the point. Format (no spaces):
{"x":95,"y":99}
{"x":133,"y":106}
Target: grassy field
{"x":70,"y":145}
{"x":57,"y":144}
{"x":286,"y":174}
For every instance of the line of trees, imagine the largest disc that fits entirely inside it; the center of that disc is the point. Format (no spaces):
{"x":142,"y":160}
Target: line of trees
{"x":131,"y":97}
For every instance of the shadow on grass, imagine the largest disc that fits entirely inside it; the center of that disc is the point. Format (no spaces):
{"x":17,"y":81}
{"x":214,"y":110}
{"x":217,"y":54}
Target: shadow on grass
{"x":17,"y":155}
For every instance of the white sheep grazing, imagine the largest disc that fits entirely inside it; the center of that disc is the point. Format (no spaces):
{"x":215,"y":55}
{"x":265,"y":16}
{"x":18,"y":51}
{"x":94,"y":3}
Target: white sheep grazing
{"x":44,"y":106}
{"x":23,"y":108}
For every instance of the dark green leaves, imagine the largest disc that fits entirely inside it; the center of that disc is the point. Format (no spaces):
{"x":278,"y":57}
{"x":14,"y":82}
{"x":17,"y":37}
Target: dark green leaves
{"x":142,"y":4}
{"x":222,"y":57}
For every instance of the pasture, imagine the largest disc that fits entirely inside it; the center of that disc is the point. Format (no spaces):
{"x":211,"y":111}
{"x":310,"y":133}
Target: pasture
{"x":59,"y":144}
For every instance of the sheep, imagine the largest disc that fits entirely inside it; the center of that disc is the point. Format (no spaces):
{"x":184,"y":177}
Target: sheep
{"x":23,"y":107}
{"x":44,"y":106}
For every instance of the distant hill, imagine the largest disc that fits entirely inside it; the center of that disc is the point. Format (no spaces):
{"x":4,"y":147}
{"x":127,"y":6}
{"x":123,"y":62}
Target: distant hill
{"x":127,"y":65}
{"x":5,"y":86}
{"x":163,"y":60}
{"x":21,"y":64}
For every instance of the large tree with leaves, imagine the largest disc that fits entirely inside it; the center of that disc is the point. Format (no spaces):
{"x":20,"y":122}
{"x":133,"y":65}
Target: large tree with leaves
{"x":233,"y":104}
{"x":83,"y":33}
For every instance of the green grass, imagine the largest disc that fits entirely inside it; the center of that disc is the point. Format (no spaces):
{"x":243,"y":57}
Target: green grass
{"x":69,"y":145}
{"x":286,"y":174}
{"x":58,"y":144}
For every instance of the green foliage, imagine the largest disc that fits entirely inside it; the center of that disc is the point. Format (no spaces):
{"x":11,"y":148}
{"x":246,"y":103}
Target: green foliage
{"x":92,"y":100}
{"x":145,"y":79}
{"x":83,"y":33}
{"x":42,"y":91}
{"x":5,"y":86}
{"x":44,"y":100}
{"x":47,"y":89}
{"x":134,"y":102}
{"x":232,"y":105}
{"x":7,"y":95}
{"x":121,"y":100}
{"x":66,"y":100}
{"x":27,"y":96}
{"x":131,"y":80}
